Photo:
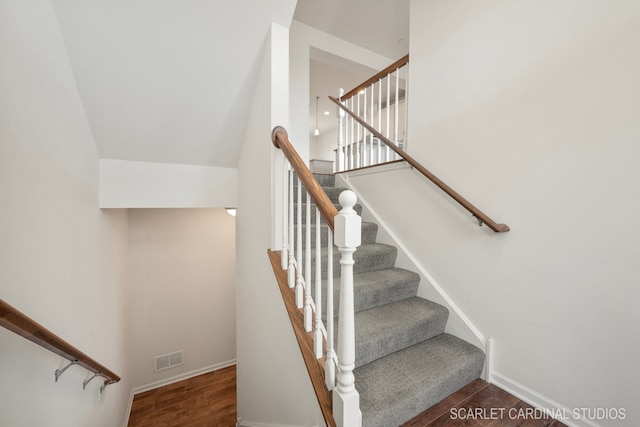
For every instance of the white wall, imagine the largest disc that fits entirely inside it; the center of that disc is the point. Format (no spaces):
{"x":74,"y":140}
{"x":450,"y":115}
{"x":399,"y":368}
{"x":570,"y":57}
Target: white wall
{"x":129,"y":184}
{"x":530,"y":110}
{"x":62,"y":259}
{"x":302,"y":39}
{"x":273,"y":384}
{"x":181,"y":289}
{"x":322,"y":147}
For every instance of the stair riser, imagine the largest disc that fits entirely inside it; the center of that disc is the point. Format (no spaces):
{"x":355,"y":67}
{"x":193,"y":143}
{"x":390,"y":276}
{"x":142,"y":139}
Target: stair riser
{"x":398,"y":285}
{"x":363,"y":262}
{"x":420,"y":320}
{"x":332,"y":192}
{"x":369,"y":232}
{"x":325,"y":180}
{"x":431,"y":371}
{"x":357,"y":208}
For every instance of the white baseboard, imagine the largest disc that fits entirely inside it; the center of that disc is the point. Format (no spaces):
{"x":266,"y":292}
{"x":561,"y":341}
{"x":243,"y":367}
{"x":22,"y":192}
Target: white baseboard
{"x":172,"y":380}
{"x":185,"y":376}
{"x":537,"y":400}
{"x":128,"y":411}
{"x":256,"y":424}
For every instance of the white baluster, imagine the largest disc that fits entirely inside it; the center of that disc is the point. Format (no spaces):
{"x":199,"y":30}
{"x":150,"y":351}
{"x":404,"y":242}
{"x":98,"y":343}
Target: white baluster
{"x":330,"y":362}
{"x":364,"y":130}
{"x":340,"y":154}
{"x":299,"y":278}
{"x":397,"y":103}
{"x":284,"y":255}
{"x":308,"y":313}
{"x":346,"y":400}
{"x":353,"y":136}
{"x":371,"y":161}
{"x":351,"y":133}
{"x":291,"y":272}
{"x":358,"y":127}
{"x":317,"y":332}
{"x":387,"y":130}
{"x":406,"y":105}
{"x":380,"y":120}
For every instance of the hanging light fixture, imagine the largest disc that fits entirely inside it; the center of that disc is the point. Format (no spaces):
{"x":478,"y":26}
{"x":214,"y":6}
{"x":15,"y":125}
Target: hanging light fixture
{"x":317,"y":131}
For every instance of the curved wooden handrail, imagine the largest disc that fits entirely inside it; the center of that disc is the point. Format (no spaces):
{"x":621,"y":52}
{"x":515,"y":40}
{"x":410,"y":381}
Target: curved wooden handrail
{"x":21,"y":324}
{"x":327,"y":209}
{"x":481,"y":216}
{"x":382,"y":73}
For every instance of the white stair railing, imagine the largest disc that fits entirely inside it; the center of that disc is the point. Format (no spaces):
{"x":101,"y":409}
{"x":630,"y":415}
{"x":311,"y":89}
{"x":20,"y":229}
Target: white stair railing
{"x":380,"y":102}
{"x":304,"y":197}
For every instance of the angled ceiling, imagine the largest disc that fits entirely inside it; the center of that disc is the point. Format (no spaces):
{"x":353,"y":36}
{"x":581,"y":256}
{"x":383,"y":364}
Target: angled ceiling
{"x":381,"y":26}
{"x":172,"y":81}
{"x":168,"y":81}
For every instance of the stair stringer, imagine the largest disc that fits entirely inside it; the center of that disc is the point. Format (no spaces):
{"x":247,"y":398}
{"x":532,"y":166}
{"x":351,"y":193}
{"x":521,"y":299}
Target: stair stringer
{"x":458,"y":324}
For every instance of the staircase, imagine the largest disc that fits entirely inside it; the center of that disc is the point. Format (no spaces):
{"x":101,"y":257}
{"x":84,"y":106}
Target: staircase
{"x":405,"y":363}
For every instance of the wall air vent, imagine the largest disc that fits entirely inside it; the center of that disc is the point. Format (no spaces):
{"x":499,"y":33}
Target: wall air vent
{"x":166,"y":361}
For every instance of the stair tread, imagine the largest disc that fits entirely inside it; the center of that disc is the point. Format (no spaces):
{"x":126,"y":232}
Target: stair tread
{"x":368,"y":232}
{"x":374,"y":288}
{"x":399,"y":386}
{"x":389,"y":328}
{"x":368,"y":257}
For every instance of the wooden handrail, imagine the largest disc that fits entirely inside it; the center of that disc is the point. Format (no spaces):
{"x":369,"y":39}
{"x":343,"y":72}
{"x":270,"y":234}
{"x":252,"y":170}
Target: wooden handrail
{"x":327,"y":209}
{"x":382,"y":73}
{"x":481,"y":216}
{"x":21,"y":324}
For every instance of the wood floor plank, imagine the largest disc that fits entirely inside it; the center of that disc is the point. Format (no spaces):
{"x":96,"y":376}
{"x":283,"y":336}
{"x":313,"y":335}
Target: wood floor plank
{"x":207,"y":400}
{"x":480,"y":404}
{"x":445,"y":405}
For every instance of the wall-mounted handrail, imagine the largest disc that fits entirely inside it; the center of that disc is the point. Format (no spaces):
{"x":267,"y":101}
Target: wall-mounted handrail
{"x":481,"y":216}
{"x":398,"y":64}
{"x":19,"y":323}
{"x":280,"y":139}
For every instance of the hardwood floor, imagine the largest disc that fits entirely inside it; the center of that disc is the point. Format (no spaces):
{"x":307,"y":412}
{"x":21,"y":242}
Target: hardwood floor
{"x":482,"y":404}
{"x":209,"y":400}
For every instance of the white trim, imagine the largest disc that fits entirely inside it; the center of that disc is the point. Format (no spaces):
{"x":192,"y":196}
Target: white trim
{"x":185,"y":376}
{"x":128,"y":411}
{"x":537,"y":400}
{"x":383,"y":167}
{"x":450,"y":303}
{"x":254,"y":424}
{"x":488,"y":361}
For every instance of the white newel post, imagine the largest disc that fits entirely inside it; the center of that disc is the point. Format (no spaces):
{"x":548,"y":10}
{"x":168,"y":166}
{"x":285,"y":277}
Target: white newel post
{"x":340,"y":155}
{"x":346,"y":400}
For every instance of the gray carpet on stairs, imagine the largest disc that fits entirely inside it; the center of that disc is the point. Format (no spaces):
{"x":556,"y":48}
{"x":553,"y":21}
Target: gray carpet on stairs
{"x":401,"y":385}
{"x":405,"y":363}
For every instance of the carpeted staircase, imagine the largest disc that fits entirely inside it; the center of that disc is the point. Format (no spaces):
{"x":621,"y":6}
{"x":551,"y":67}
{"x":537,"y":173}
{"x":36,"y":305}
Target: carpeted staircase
{"x":405,"y":363}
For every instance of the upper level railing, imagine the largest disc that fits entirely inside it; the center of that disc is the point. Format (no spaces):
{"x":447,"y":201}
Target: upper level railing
{"x":477,"y":213}
{"x":309,"y":263}
{"x":21,"y":324}
{"x":381,"y":102}
{"x":372,"y":123}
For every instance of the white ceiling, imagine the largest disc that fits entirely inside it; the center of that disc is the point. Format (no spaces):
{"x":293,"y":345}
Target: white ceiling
{"x":378,"y":25}
{"x":381,"y":26}
{"x":171,"y":81}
